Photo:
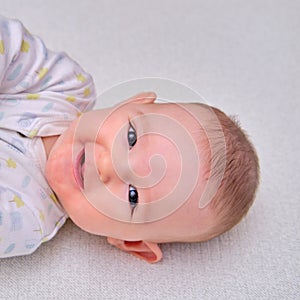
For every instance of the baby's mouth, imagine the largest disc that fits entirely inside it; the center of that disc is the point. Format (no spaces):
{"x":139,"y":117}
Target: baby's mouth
{"x":79,"y":170}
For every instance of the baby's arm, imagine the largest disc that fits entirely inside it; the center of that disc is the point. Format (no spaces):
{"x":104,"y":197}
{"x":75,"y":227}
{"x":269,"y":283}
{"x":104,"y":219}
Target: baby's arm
{"x":44,"y":88}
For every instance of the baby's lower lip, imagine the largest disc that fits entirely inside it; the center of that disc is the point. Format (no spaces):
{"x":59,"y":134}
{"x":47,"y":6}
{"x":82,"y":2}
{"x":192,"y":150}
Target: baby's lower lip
{"x":79,"y":168}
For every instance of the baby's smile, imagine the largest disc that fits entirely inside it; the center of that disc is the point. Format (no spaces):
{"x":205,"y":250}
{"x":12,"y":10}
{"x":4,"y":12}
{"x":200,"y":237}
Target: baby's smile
{"x":79,"y":168}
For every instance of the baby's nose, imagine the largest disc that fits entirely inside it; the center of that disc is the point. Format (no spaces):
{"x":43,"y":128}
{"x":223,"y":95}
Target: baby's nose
{"x":104,"y":165}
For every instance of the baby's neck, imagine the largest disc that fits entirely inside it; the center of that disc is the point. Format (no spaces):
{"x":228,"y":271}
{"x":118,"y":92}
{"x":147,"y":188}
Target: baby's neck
{"x":48,"y":142}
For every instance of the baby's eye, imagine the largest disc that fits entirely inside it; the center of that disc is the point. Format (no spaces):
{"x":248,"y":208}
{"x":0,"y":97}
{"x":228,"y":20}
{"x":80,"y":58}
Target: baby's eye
{"x":131,"y":136}
{"x":133,"y":196}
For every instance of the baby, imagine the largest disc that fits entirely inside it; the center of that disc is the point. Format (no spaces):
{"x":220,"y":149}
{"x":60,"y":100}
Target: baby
{"x":139,"y":173}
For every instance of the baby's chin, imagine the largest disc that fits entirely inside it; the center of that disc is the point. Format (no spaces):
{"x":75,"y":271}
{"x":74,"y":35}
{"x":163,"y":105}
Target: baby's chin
{"x":59,"y":167}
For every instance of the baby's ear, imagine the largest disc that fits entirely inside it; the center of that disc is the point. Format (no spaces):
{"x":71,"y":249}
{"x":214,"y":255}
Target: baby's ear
{"x":143,"y":98}
{"x":142,"y":249}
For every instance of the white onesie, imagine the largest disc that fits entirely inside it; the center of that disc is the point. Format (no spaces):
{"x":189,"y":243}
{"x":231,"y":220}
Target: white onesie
{"x":41,"y":92}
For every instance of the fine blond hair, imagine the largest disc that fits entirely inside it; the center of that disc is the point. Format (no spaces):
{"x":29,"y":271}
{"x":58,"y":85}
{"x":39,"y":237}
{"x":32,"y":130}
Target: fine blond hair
{"x":240,"y":179}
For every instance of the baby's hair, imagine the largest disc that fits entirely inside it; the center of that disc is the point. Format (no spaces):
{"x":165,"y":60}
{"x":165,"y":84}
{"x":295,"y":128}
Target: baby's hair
{"x":241,"y":177}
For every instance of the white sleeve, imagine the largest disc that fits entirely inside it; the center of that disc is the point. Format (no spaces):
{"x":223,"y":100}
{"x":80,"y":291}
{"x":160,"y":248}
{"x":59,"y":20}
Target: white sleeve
{"x":40,"y":91}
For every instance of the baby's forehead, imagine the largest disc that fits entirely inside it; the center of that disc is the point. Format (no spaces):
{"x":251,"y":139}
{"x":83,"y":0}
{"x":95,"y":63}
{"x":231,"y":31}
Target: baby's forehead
{"x":194,"y":117}
{"x":204,"y":127}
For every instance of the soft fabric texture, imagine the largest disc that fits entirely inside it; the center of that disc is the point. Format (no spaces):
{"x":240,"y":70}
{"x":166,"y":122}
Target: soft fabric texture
{"x":243,"y":57}
{"x":29,"y":211}
{"x":41,"y":92}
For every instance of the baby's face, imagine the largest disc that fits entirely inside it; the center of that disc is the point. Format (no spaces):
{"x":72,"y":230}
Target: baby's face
{"x":132,"y":172}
